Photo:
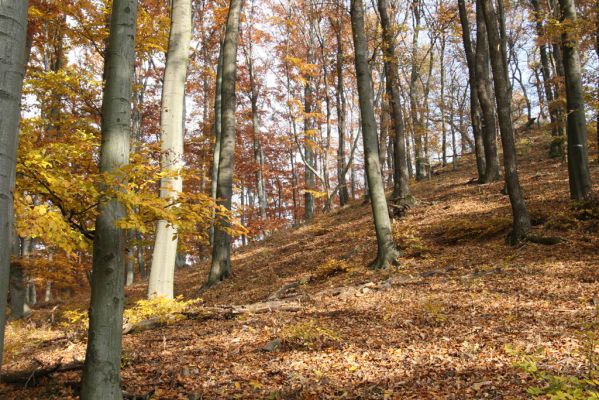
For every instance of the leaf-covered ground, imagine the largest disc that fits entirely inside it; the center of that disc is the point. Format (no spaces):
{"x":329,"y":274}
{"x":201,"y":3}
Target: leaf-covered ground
{"x":438,"y":326}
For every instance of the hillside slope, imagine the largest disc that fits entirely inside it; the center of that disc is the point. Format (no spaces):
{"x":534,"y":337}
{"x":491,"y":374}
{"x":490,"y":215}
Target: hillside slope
{"x":436,"y":326}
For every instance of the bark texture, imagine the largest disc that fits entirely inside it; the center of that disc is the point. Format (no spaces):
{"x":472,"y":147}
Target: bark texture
{"x":221,"y":249}
{"x":387,"y":252}
{"x":503,"y":96}
{"x":13,"y":36}
{"x":101,"y":374}
{"x":162,"y":273}
{"x":578,"y":159}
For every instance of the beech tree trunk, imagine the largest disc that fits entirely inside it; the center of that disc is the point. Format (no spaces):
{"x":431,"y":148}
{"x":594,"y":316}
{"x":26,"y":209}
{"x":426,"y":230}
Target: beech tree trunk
{"x":401,"y":179}
{"x":309,"y":136}
{"x":387,"y":252}
{"x":475,"y":111}
{"x":503,"y":96}
{"x":221,"y":248}
{"x":13,"y":37}
{"x":257,"y":144}
{"x":576,"y":128}
{"x":341,"y":112}
{"x":555,"y":150}
{"x":217,"y":134}
{"x":172,"y":109}
{"x":417,"y":128}
{"x":101,"y":374}
{"x":485,"y":97}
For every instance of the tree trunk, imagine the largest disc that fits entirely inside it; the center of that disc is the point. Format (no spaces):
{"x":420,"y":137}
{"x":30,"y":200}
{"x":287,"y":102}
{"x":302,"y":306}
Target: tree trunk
{"x":13,"y":31}
{"x":101,"y":374}
{"x":555,"y":150}
{"x":257,"y":144}
{"x":341,"y":112}
{"x":387,"y":252}
{"x":221,"y":249}
{"x":417,"y":128}
{"x":475,"y":111}
{"x":503,"y":96}
{"x":217,"y":129}
{"x":578,"y":160}
{"x":162,"y":272}
{"x":484,"y":90}
{"x":309,"y":133}
{"x":401,"y":181}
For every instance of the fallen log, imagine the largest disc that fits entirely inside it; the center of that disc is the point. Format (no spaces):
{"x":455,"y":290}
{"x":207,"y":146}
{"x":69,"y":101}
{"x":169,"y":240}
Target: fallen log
{"x":30,"y":376}
{"x":206,"y":313}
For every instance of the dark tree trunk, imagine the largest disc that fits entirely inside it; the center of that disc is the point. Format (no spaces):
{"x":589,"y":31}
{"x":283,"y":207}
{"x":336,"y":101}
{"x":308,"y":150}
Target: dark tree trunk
{"x":475,"y":111}
{"x":387,"y":252}
{"x":484,"y":90}
{"x":503,"y":95}
{"x":221,"y":249}
{"x":401,"y":179}
{"x":578,"y":162}
{"x":341,"y":112}
{"x":101,"y":374}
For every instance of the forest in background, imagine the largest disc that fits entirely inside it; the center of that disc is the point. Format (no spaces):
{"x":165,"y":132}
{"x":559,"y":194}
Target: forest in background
{"x":157,"y":137}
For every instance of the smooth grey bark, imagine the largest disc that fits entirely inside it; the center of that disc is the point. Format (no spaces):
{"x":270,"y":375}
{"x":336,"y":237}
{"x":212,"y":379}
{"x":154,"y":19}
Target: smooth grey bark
{"x":485,"y":97}
{"x":417,"y":128}
{"x":309,"y":133}
{"x":217,"y":129}
{"x":387,"y":252}
{"x":442,"y":100}
{"x":221,"y":248}
{"x":18,"y":288}
{"x":130,"y":272}
{"x":13,"y":37}
{"x":341,"y":113}
{"x":256,"y":142}
{"x":401,"y":181}
{"x":172,"y":132}
{"x":521,"y":219}
{"x":578,"y":160}
{"x":101,"y":372}
{"x":475,"y":111}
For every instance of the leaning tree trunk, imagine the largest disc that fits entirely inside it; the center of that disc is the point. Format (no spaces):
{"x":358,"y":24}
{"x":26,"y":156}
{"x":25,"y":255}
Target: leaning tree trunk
{"x":475,"y":111}
{"x":221,"y":248}
{"x":503,"y":96}
{"x":401,"y":181}
{"x":101,"y":373}
{"x":387,"y":252}
{"x":13,"y":36}
{"x":578,"y":160}
{"x":484,"y":91}
{"x":162,"y":272}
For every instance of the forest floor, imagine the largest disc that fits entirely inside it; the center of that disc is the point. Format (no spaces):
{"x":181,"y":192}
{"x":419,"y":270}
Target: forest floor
{"x":451,"y":321}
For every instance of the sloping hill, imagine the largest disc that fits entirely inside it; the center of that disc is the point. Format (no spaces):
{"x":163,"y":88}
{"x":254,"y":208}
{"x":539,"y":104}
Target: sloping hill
{"x":436,"y":326}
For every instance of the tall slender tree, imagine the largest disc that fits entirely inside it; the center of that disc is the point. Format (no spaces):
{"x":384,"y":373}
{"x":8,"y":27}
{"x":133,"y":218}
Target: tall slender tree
{"x":578,"y":160}
{"x":13,"y":36}
{"x":221,"y":248}
{"x":401,"y":181}
{"x":387,"y":252}
{"x":485,"y":96}
{"x":475,"y":111}
{"x":101,"y":373}
{"x":503,"y":97}
{"x":172,"y":121}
